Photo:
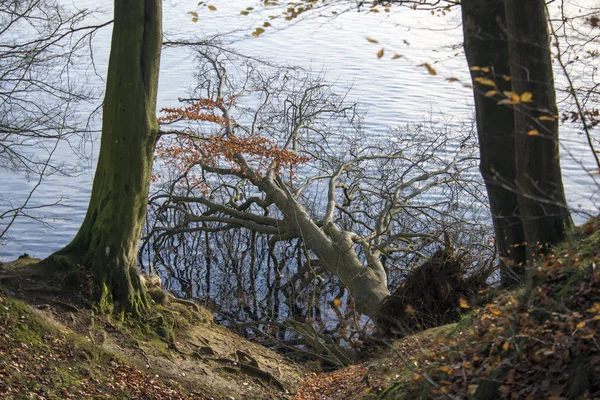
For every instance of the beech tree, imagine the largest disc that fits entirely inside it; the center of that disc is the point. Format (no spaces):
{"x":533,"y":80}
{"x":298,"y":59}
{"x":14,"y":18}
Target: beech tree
{"x":542,"y":203}
{"x":486,"y":47}
{"x":107,"y":241}
{"x":507,"y":45}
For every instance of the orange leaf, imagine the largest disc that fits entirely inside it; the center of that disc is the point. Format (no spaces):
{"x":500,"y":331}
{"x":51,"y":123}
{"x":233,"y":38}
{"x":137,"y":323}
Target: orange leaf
{"x":526,"y":97}
{"x":513,"y":96}
{"x":463,"y":303}
{"x":533,"y":132}
{"x":507,"y":101}
{"x":485,"y":81}
{"x":430,"y":69}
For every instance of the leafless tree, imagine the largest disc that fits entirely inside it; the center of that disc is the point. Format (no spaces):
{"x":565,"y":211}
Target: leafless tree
{"x":40,"y":45}
{"x":355,"y":208}
{"x":575,"y":32}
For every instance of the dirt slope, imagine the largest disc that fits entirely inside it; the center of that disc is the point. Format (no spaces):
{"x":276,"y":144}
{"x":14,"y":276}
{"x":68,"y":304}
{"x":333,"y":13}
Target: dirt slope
{"x":541,"y":341}
{"x":179,"y":352}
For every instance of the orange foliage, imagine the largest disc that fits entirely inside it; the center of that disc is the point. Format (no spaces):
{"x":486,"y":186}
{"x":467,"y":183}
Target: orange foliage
{"x":201,"y":110}
{"x":188,"y":151}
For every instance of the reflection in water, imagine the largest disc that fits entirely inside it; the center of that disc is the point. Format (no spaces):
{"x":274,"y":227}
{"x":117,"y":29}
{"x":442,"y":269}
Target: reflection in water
{"x":393,"y":92}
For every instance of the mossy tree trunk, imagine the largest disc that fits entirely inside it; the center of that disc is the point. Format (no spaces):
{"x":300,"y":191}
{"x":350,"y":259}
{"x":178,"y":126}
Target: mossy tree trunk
{"x":542,"y":204}
{"x":485,"y":42}
{"x":108,"y":239}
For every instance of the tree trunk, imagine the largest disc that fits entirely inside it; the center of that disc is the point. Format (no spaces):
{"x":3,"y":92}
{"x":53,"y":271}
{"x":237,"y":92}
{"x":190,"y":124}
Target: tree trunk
{"x":542,"y":204}
{"x":485,"y":46}
{"x":107,"y":241}
{"x":334,"y":249}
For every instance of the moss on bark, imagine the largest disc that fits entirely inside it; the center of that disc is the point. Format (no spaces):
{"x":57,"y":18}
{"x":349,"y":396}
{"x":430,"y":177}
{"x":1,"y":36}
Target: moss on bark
{"x":107,"y":242}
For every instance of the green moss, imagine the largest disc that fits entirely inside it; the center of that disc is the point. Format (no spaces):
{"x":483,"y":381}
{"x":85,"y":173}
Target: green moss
{"x":105,"y":305}
{"x":67,"y":358}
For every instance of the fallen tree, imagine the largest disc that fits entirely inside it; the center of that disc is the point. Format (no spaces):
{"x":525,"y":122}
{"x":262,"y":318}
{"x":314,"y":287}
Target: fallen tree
{"x":253,"y":153}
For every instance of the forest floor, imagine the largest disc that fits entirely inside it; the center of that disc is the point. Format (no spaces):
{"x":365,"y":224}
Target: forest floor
{"x":540,"y":341}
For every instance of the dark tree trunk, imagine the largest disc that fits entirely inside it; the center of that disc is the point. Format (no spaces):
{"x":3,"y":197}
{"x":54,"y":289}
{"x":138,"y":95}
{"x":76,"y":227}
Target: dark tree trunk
{"x":486,"y":47}
{"x":542,"y":204}
{"x":107,"y":241}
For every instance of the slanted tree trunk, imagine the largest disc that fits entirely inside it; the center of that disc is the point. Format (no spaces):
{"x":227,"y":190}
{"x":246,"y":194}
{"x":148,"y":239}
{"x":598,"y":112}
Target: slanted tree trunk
{"x":107,"y":241}
{"x":334,"y":248}
{"x":486,"y":45}
{"x":542,"y":204}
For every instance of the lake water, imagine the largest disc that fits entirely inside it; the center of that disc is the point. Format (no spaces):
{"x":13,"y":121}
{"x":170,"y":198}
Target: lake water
{"x":393,"y":91}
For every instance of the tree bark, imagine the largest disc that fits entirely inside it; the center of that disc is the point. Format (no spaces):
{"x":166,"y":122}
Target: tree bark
{"x":486,"y":46}
{"x":107,"y":241}
{"x":542,"y":204}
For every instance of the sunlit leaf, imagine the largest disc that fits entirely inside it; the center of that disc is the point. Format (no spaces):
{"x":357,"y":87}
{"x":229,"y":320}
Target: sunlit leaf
{"x":429,"y":68}
{"x":506,"y":78}
{"x":337,"y":302}
{"x":513,"y":96}
{"x":491,"y":93}
{"x":533,"y":132}
{"x":485,"y":69}
{"x":485,"y":81}
{"x":475,"y":68}
{"x":526,"y":97}
{"x":580,"y":324}
{"x":594,"y":309}
{"x":258,"y":32}
{"x":507,"y":102}
{"x":463,"y":303}
{"x":547,"y":118}
{"x":506,"y":346}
